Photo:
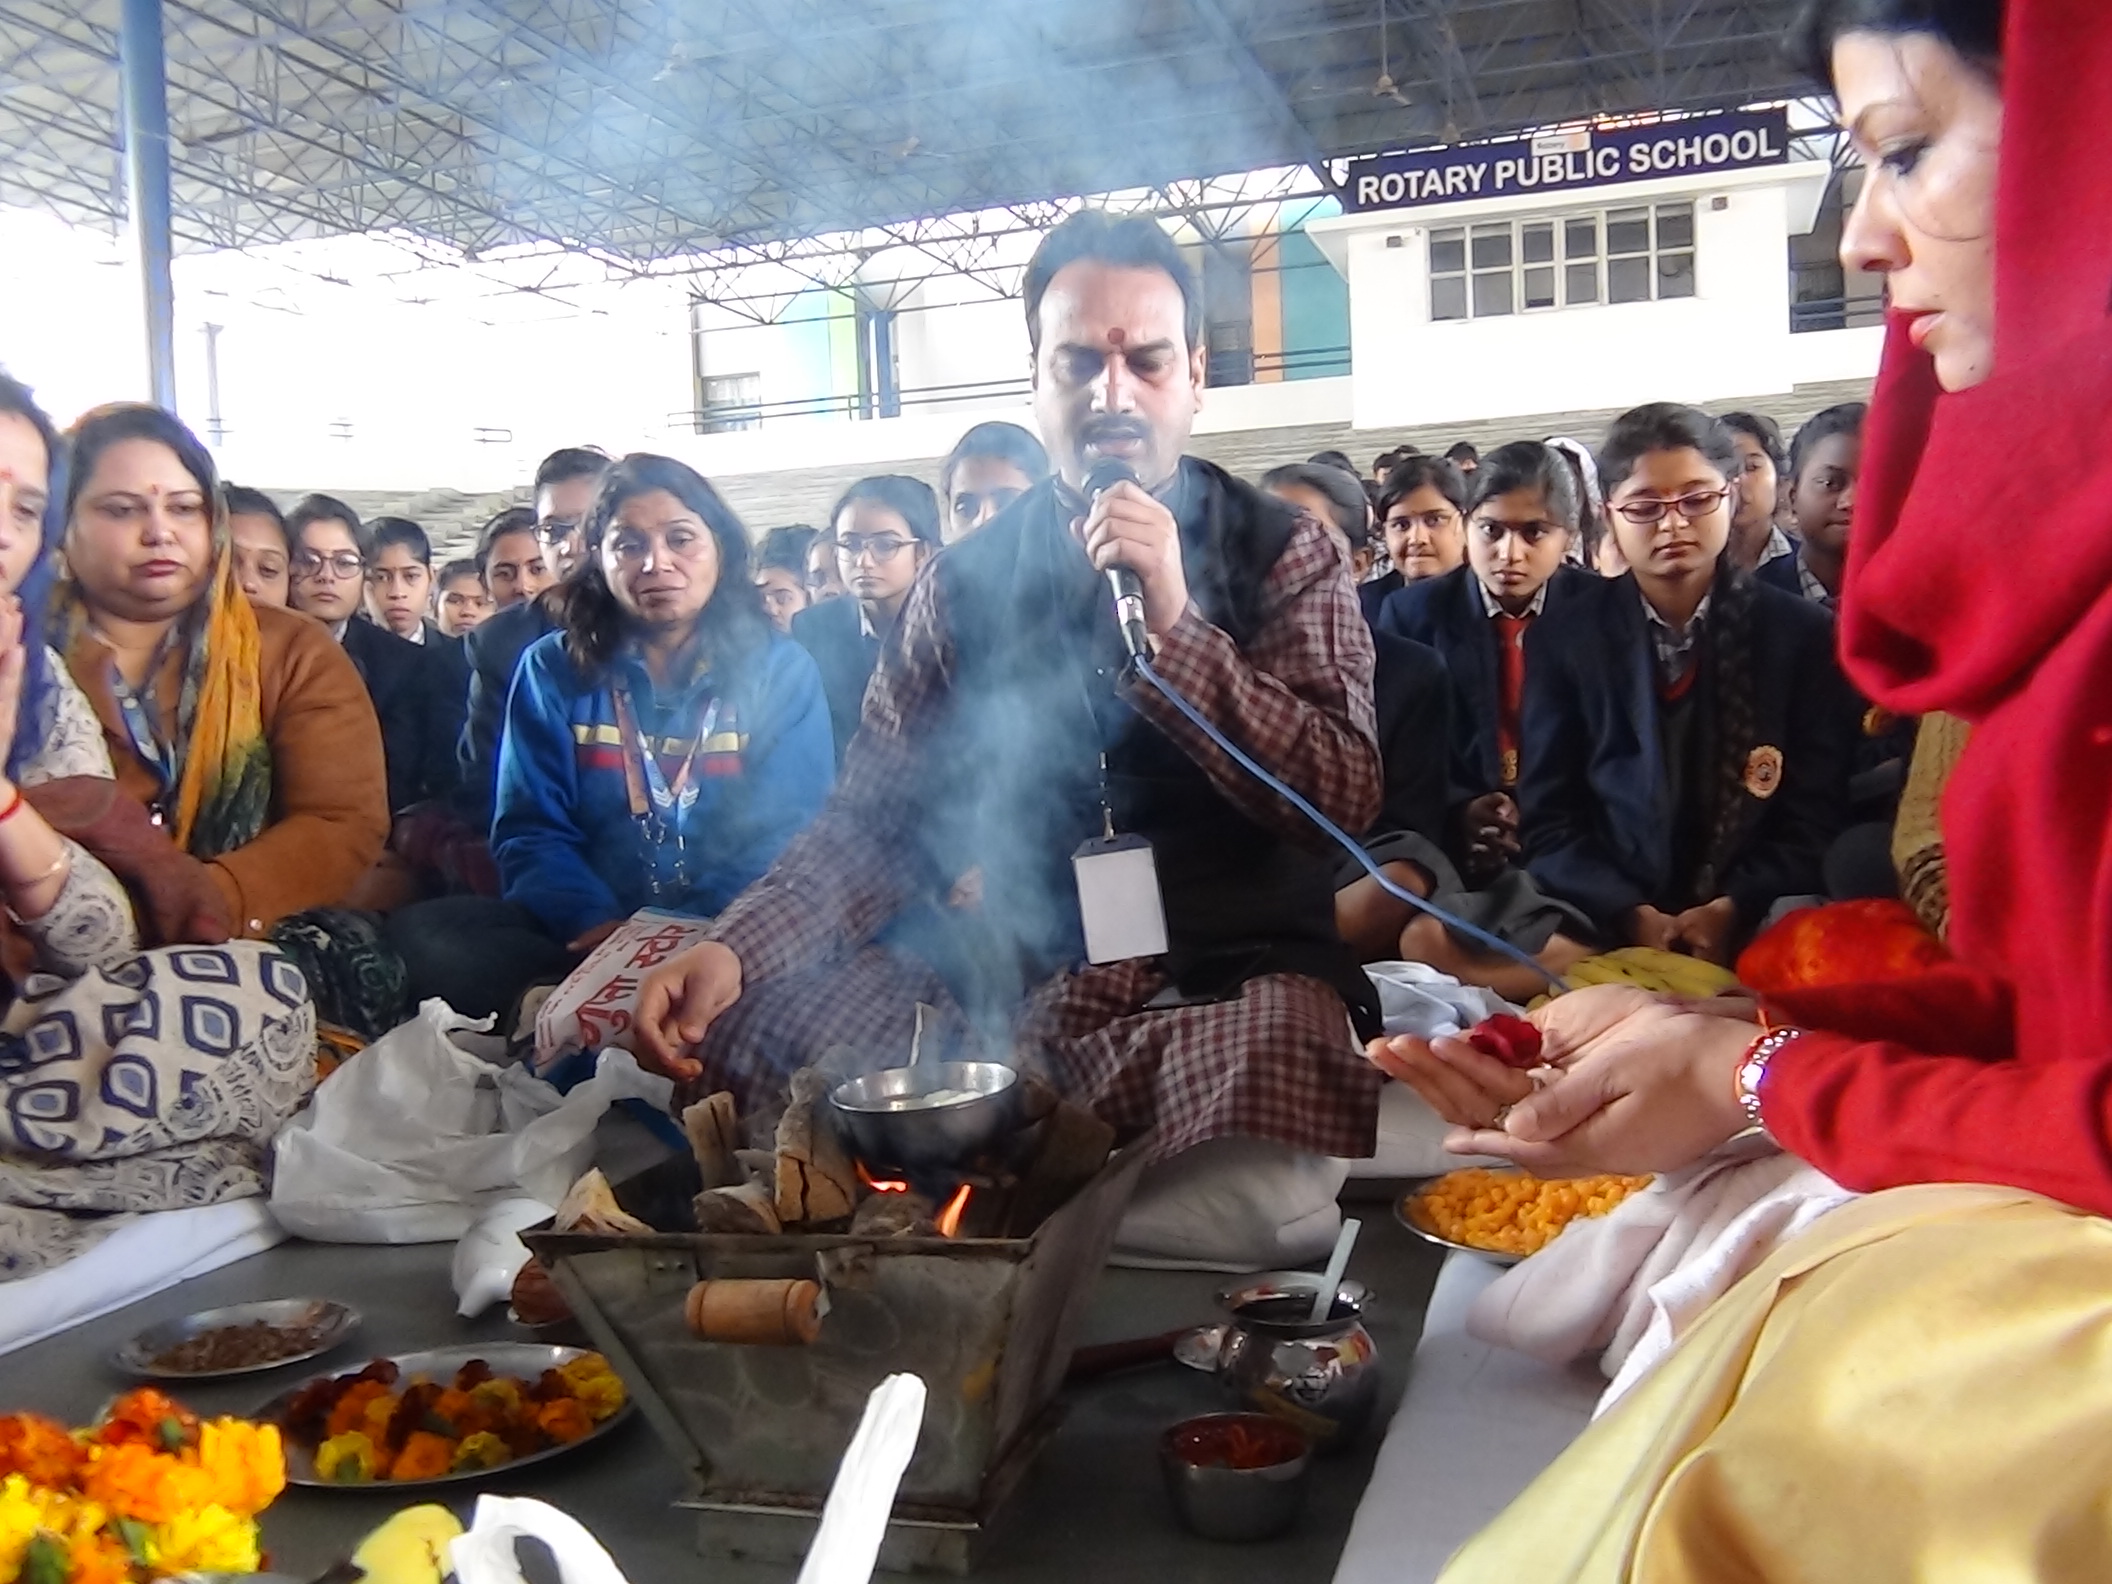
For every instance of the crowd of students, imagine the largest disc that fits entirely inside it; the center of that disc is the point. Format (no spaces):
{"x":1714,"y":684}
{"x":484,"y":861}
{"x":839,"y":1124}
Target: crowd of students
{"x":1606,"y":700}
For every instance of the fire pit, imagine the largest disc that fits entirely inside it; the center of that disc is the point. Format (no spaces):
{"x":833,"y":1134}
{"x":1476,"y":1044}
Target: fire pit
{"x":988,"y":1317}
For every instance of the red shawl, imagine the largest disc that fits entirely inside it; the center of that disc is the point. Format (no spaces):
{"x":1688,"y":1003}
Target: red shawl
{"x":1980,"y":583}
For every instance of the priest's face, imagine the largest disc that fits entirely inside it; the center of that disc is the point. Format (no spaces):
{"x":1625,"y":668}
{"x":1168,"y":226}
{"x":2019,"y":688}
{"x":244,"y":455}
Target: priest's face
{"x":1115,"y":376}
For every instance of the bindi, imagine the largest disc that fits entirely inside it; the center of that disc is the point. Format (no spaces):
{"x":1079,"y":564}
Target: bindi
{"x":1115,"y":338}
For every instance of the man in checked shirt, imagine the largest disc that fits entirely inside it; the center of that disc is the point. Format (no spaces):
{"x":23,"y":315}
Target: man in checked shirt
{"x":981,"y":745}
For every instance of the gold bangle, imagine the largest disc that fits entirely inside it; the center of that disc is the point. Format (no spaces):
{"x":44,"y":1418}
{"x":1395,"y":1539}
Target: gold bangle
{"x":58,"y":867}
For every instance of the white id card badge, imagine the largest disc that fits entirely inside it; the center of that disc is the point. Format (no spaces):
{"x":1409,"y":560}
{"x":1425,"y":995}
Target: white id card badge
{"x":1118,"y":898}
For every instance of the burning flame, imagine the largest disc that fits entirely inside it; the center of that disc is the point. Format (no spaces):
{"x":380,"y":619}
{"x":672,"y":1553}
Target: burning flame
{"x":948,"y":1220}
{"x":880,"y":1184}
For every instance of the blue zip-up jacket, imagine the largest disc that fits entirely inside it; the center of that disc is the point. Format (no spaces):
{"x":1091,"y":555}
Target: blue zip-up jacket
{"x":567,"y":846}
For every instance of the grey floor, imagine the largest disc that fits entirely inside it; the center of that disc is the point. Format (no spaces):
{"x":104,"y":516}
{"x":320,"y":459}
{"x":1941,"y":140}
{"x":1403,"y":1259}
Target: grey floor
{"x":1091,"y":1508}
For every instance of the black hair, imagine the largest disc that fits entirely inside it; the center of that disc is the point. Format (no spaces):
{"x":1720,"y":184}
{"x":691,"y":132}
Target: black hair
{"x":383,"y":532}
{"x":1527,"y":464}
{"x":1343,"y":491}
{"x":327,"y":508}
{"x":1335,"y":459}
{"x":785,"y":549}
{"x":1763,"y":431}
{"x":1126,"y":241}
{"x":460,"y":567}
{"x":1007,"y":442}
{"x":1463,"y":452}
{"x":39,"y":709}
{"x":1971,"y":27}
{"x":1409,"y":476}
{"x":242,"y":501}
{"x":732,"y":624}
{"x":1847,"y":418}
{"x":1663,"y":426}
{"x":513,"y":520}
{"x":570,"y":462}
{"x":109,"y":426}
{"x":911,"y":499}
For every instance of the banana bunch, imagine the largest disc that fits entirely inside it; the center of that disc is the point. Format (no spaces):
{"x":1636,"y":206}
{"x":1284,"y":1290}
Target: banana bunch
{"x":1667,"y":973}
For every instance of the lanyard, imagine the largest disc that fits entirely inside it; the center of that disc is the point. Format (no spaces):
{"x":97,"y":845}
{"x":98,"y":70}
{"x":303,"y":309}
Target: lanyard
{"x":658,"y":805}
{"x":138,"y":716}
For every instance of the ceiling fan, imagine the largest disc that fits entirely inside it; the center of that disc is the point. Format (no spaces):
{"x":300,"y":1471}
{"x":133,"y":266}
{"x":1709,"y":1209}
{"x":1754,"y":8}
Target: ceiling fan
{"x":1386,"y":87}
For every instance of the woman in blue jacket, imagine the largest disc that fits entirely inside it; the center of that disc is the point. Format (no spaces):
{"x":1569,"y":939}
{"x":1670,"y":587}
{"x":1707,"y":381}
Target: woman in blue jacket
{"x":661,"y":747}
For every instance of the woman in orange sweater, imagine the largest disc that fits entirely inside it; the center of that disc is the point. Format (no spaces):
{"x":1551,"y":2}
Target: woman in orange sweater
{"x":245,"y":730}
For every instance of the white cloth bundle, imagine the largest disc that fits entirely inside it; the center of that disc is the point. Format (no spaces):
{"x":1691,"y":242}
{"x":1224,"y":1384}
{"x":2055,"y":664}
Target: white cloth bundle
{"x":1629,"y":1284}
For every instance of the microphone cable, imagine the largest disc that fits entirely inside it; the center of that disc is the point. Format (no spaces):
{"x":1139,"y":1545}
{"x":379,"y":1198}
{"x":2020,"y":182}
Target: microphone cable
{"x":1556,"y":983}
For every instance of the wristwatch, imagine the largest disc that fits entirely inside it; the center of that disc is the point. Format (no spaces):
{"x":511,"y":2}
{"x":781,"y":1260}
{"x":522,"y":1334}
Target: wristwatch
{"x":1753,"y":1068}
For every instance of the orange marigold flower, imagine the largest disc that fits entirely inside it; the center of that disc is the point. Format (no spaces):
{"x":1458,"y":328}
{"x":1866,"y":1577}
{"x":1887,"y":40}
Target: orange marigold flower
{"x":135,"y":1481}
{"x":424,"y":1456}
{"x":350,"y":1414}
{"x":39,"y":1449}
{"x":564,"y":1421}
{"x":150,"y":1417}
{"x":246,"y":1463}
{"x":98,"y":1558}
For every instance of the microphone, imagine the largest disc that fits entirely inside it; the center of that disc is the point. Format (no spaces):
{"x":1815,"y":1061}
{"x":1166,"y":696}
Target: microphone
{"x":1121,"y":581}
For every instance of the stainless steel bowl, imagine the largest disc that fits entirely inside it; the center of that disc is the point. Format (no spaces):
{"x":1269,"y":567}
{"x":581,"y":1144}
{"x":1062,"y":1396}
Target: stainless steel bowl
{"x":884,"y":1125}
{"x":337,"y":1322}
{"x":1236,"y":1504}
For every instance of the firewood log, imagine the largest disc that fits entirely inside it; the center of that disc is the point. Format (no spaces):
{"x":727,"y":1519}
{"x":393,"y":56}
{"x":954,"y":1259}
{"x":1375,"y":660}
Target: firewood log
{"x":590,"y":1206}
{"x":748,"y":1209}
{"x":815,"y":1179}
{"x":713,"y":1125}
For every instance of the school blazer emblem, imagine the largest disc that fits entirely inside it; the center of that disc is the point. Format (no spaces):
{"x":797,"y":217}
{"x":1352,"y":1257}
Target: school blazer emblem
{"x":1763,"y":771}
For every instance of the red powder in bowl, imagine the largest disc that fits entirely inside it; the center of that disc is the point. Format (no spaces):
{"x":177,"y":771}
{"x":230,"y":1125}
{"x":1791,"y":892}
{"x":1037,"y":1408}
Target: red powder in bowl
{"x":1249,"y":1442}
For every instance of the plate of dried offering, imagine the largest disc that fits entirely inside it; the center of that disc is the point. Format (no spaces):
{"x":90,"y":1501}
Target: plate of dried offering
{"x":445,"y":1416}
{"x":239,"y":1340}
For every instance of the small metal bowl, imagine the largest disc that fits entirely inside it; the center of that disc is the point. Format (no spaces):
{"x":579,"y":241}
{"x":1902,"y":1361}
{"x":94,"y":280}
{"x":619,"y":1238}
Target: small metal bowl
{"x":884,"y":1127}
{"x":338,"y":1323}
{"x":1237,"y":1504}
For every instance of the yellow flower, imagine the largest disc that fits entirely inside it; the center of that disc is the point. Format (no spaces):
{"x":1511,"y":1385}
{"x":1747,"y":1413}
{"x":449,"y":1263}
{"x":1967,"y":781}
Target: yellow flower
{"x":601,"y":1396}
{"x":210,"y":1540}
{"x":348,"y":1459}
{"x":246,"y":1463}
{"x":481,"y":1451}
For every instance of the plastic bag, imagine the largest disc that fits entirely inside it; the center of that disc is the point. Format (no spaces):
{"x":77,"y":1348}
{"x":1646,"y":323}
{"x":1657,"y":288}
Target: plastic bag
{"x":413,"y":1138}
{"x":486,"y":1554}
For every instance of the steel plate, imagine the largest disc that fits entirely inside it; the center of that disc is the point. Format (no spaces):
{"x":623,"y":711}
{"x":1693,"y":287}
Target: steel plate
{"x":136,"y":1357}
{"x":526,"y":1360}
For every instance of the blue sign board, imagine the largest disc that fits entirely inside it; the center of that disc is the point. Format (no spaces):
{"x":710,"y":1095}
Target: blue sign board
{"x":1567,"y":160}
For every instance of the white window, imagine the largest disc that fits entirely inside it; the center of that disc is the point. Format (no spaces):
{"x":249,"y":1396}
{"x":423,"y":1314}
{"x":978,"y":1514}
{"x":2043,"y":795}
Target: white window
{"x":731,"y":401}
{"x":1643,"y":253}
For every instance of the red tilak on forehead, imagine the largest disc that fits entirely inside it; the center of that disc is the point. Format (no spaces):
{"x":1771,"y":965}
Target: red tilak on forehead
{"x":1117,"y":337}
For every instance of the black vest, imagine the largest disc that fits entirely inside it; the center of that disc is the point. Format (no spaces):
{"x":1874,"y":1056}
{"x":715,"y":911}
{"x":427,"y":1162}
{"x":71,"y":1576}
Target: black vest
{"x":1034,"y":705}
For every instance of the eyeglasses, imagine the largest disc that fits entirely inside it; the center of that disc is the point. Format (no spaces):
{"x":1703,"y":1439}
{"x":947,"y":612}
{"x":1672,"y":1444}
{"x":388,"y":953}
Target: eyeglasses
{"x":632,"y":549}
{"x":883,"y":548}
{"x":1429,"y":521}
{"x":554,"y":531}
{"x":341,"y":564}
{"x":1494,"y":530}
{"x":1649,"y":509}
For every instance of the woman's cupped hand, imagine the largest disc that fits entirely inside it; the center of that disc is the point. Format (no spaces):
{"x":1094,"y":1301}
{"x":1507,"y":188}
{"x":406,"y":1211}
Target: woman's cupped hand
{"x":1633,"y":1082}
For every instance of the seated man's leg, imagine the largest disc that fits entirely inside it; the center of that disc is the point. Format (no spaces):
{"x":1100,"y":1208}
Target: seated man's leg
{"x":865,"y":1004}
{"x":1277,"y":1062}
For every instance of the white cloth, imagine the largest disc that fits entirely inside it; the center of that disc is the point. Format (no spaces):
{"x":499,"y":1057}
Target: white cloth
{"x":1629,"y":1284}
{"x":1415,"y":998}
{"x":1475,"y":1427}
{"x":148,"y":1254}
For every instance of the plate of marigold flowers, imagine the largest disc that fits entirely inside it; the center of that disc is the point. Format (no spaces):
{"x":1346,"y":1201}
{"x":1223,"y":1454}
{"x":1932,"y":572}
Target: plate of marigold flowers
{"x":445,"y":1416}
